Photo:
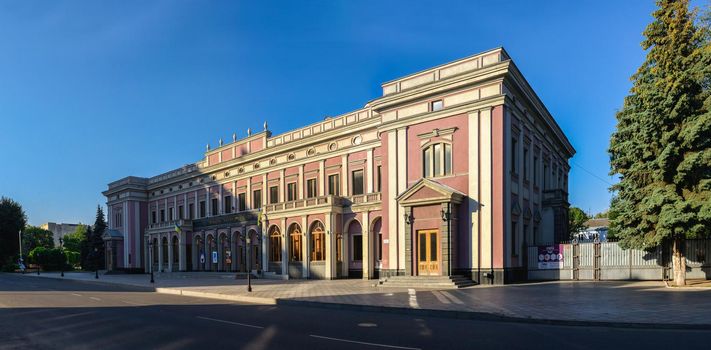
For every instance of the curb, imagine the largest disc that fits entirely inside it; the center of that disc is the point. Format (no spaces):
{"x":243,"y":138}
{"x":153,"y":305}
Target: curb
{"x":452,"y":314}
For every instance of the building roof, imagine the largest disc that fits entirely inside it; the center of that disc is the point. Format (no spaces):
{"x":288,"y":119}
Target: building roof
{"x":602,"y":222}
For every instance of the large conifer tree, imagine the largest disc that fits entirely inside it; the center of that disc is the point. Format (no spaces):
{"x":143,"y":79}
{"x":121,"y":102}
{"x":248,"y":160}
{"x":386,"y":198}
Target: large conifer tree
{"x":662,"y":146}
{"x":97,"y":240}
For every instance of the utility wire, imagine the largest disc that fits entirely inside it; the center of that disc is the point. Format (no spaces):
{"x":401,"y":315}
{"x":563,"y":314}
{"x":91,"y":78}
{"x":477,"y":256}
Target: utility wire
{"x":590,"y":173}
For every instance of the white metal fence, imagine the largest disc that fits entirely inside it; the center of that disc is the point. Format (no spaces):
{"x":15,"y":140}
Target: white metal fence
{"x":607,"y":261}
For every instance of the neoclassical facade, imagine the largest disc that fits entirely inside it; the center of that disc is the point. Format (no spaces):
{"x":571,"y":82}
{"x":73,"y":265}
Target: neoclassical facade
{"x":452,"y":171}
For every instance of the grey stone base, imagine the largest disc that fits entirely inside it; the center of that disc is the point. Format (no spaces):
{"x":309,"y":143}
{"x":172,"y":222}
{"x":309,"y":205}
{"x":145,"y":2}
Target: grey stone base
{"x":497,"y":276}
{"x":390,"y":273}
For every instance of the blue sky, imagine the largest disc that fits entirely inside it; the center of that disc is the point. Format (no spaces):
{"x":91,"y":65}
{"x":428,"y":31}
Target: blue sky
{"x":94,"y":91}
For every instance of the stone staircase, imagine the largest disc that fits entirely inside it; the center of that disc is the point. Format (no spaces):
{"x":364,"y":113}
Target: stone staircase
{"x":428,"y":282}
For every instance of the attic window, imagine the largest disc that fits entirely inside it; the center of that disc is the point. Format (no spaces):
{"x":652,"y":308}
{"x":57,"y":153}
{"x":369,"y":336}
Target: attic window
{"x":436,"y":105}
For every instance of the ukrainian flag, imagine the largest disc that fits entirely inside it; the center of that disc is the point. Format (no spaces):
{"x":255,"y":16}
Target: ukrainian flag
{"x":259,"y":218}
{"x":178,"y":229}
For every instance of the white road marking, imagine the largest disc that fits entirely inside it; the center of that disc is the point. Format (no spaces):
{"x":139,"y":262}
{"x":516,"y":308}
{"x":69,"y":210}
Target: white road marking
{"x":441,"y":298}
{"x":95,"y":298}
{"x":75,"y":294}
{"x":453,"y":298}
{"x":367,"y":324}
{"x":363,"y":343}
{"x":230,"y":322}
{"x":132,"y":303}
{"x":413,"y":299}
{"x":70,"y":316}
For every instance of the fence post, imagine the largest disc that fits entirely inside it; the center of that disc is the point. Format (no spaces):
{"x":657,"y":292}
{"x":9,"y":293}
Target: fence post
{"x":576,"y":260}
{"x":596,"y":261}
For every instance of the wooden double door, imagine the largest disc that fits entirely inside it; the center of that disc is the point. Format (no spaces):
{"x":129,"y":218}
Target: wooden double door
{"x":428,"y":253}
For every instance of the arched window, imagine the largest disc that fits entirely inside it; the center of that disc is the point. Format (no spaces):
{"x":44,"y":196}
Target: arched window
{"x":437,"y":160}
{"x":318,"y":242}
{"x":274,"y":244}
{"x":165,"y":250}
{"x":176,"y":250}
{"x":295,"y":242}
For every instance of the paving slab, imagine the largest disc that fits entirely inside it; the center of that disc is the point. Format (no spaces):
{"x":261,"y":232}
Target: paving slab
{"x":636,"y":304}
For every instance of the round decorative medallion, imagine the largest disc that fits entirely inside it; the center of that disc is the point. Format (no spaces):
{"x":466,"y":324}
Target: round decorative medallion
{"x":332,"y":146}
{"x":357,"y":140}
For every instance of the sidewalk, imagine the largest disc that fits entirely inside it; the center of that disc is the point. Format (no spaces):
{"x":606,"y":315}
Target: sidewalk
{"x":637,"y":304}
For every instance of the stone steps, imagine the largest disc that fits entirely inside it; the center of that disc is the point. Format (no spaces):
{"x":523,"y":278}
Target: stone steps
{"x":426,"y":282}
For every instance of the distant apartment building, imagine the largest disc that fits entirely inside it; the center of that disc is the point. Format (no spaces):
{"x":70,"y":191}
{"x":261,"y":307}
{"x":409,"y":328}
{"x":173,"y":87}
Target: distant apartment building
{"x":454,"y":170}
{"x":59,"y":230}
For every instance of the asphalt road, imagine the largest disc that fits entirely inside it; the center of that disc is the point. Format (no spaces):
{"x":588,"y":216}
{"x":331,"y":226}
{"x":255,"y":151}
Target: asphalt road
{"x":38,"y":313}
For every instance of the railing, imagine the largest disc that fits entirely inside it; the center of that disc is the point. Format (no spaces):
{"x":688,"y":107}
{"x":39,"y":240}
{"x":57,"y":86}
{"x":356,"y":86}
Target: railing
{"x":304,"y":203}
{"x":163,"y":226}
{"x":240,"y":216}
{"x":555,"y":196}
{"x":365,"y":198}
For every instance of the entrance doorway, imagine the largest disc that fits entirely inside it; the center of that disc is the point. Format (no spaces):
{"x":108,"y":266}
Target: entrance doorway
{"x":427,"y":253}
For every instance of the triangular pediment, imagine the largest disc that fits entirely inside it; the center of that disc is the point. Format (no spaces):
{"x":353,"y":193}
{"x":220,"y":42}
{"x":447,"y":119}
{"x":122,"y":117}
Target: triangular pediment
{"x":429,"y":191}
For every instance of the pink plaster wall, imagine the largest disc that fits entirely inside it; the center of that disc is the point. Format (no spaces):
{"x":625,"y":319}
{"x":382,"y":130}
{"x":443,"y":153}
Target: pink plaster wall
{"x":498,"y":158}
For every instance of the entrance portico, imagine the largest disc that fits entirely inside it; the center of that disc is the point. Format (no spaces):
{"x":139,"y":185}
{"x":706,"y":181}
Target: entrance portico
{"x":430,"y":228}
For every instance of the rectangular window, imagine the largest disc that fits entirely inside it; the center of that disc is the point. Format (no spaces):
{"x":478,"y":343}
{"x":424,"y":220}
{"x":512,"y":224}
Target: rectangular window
{"x":427,"y":162}
{"x":358,"y":248}
{"x":273,"y":194}
{"x":447,"y":159}
{"x":227,"y":204}
{"x":191,"y":210}
{"x":380,"y":179}
{"x":514,"y":149}
{"x":257,"y":199}
{"x":437,"y":105}
{"x":203,"y":209}
{"x":357,"y":181}
{"x":153,"y":216}
{"x":311,"y":188}
{"x":545,"y":176}
{"x":215,"y":209}
{"x":242,"y":201}
{"x":334,"y":185}
{"x":170,"y":214}
{"x":535,"y":170}
{"x":525,"y":163}
{"x":436,"y":153}
{"x":291,"y":191}
{"x":181,"y":215}
{"x":162,"y":215}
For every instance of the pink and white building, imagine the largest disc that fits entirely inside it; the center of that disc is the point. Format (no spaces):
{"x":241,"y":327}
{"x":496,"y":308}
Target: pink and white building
{"x":452,"y":171}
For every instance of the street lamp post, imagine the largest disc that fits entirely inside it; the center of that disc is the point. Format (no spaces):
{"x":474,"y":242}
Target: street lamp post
{"x":96,"y":263}
{"x":249,"y":263}
{"x":61,"y":249}
{"x":150,"y":257}
{"x":37,"y":257}
{"x":22,"y":262}
{"x":447,"y":216}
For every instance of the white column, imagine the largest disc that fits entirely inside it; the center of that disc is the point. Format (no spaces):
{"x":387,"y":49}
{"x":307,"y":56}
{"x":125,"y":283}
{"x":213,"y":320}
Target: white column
{"x":473,"y":188}
{"x":284,"y":248}
{"x":248,"y":195}
{"x":301,"y":190}
{"x":322,"y":178}
{"x":369,"y":171}
{"x":208,"y":209}
{"x":195,"y":205}
{"x":184,"y":213}
{"x":330,"y":248}
{"x":305,"y":256}
{"x":182,"y":258}
{"x":167,"y":214}
{"x":282,"y":190}
{"x":265,"y":188}
{"x":220,"y":205}
{"x":170,"y":254}
{"x":367,"y":251}
{"x":234,"y":203}
{"x":175,"y":207}
{"x":160,"y":254}
{"x":401,"y":187}
{"x":344,"y":175}
{"x":392,"y":205}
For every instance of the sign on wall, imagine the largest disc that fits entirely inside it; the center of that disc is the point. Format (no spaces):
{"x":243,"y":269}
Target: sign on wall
{"x":214,"y":257}
{"x":550,"y":257}
{"x":202,"y":258}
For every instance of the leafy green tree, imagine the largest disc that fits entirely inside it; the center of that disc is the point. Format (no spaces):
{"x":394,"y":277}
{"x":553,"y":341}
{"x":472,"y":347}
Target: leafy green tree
{"x":73,"y":241}
{"x":662,"y":146}
{"x":12,"y":220}
{"x":86,"y":262}
{"x":50,"y":259}
{"x":33,"y":236}
{"x":576,"y":220}
{"x":602,"y":215}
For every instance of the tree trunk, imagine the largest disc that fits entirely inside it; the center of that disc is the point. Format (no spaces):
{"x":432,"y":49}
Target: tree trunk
{"x":678,"y":262}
